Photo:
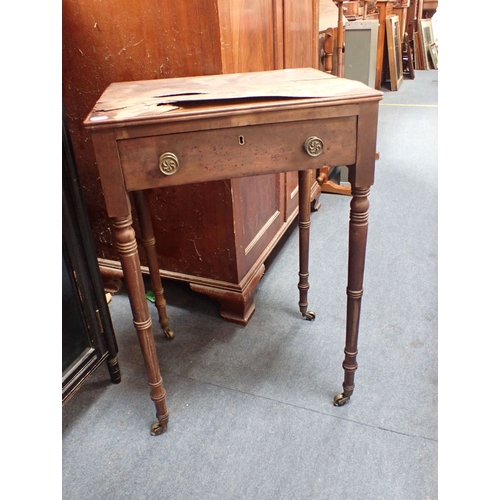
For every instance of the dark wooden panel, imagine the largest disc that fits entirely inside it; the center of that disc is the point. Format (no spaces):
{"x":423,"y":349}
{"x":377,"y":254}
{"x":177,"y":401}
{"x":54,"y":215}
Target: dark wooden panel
{"x":123,"y":40}
{"x":291,"y":194}
{"x":262,"y":198}
{"x":259,"y":198}
{"x":247,"y":35}
{"x":301,"y":33}
{"x":88,"y":337}
{"x":192,"y":230}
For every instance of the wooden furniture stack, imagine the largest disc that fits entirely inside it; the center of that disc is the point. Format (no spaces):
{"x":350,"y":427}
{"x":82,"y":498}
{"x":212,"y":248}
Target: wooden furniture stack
{"x":214,"y":235}
{"x":409,"y":15}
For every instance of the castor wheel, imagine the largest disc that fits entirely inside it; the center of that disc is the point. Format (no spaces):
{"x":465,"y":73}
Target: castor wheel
{"x":340,"y":399}
{"x":157,"y":429}
{"x":309,"y":315}
{"x":169,"y":333}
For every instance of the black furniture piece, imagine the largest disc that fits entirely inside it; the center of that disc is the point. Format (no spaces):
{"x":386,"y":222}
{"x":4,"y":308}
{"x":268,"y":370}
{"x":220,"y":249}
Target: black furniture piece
{"x":88,"y":338}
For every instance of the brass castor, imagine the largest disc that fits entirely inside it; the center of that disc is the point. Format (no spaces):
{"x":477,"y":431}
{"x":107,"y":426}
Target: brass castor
{"x":157,"y":429}
{"x":340,"y":399}
{"x":309,"y":315}
{"x":169,"y":333}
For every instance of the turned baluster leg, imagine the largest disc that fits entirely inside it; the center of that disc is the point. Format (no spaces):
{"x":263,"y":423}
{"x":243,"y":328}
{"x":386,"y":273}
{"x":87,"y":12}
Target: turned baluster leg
{"x":358,"y":229}
{"x":129,"y":257}
{"x":304,"y":225}
{"x":148,"y":240}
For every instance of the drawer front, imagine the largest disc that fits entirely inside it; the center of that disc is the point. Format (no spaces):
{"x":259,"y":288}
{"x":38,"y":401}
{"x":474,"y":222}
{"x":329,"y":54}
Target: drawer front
{"x":235,"y":152}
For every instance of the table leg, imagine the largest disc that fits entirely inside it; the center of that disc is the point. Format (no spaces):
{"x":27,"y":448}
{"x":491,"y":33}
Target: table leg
{"x":358,"y":230}
{"x":129,"y":257}
{"x":304,"y":225}
{"x":148,"y":240}
{"x":114,"y":369}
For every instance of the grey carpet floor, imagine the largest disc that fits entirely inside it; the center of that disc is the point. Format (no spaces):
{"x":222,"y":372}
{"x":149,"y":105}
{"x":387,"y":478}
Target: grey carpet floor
{"x":251,"y":414}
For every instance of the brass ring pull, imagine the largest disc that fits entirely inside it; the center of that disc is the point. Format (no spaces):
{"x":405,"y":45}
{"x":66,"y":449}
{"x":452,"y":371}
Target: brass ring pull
{"x":313,"y":146}
{"x":168,"y":163}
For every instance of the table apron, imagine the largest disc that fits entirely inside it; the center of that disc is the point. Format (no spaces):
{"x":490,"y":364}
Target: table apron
{"x":233,"y":152}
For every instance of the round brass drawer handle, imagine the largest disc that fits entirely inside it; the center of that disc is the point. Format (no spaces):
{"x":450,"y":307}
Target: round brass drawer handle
{"x":168,"y":163}
{"x":313,"y":146}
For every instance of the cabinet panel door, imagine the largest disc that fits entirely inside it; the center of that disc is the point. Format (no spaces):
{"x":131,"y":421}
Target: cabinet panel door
{"x":258,"y":216}
{"x":300,"y":33}
{"x":193,"y":229}
{"x":291,"y":194}
{"x":247,"y":35}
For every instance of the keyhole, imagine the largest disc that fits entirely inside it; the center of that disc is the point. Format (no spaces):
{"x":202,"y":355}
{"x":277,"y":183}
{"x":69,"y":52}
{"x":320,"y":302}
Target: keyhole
{"x":241,"y":140}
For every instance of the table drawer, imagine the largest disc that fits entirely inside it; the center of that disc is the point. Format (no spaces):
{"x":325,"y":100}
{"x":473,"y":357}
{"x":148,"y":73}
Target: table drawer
{"x":191,"y":157}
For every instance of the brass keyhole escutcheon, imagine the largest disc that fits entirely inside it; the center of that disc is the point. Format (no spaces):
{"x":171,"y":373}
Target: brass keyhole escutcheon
{"x":313,"y":146}
{"x":168,"y":163}
{"x":241,"y":140}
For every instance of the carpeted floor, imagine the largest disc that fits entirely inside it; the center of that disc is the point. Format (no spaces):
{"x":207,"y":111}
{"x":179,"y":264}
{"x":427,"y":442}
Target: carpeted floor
{"x":251,"y":414}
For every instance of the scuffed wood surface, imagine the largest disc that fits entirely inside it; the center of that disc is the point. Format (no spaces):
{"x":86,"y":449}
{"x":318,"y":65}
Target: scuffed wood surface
{"x":125,"y":101}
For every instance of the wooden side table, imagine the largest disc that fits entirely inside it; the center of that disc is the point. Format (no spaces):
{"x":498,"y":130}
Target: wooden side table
{"x":157,"y":133}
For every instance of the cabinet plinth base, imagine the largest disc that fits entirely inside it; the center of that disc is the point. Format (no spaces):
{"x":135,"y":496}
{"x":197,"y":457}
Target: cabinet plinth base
{"x":236,"y":306}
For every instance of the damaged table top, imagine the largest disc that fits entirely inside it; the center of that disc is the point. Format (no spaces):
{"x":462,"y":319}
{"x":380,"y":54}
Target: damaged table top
{"x":149,"y":99}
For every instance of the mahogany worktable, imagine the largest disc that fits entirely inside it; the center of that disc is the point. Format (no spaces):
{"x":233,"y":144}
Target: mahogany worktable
{"x":151,"y":134}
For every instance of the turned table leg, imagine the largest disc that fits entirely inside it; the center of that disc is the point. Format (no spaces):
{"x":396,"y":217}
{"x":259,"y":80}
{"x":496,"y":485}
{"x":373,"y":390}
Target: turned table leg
{"x":148,"y":240}
{"x":129,"y":257}
{"x":304,"y":226}
{"x":358,"y":229}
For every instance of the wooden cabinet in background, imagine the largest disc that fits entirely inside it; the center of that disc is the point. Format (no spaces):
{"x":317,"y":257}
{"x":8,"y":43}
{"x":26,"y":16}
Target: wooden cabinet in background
{"x":215,"y":236}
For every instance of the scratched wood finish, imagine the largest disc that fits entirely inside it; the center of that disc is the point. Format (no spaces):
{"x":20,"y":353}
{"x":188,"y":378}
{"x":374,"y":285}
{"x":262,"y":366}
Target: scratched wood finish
{"x":227,"y":231}
{"x":124,"y":40}
{"x":181,"y":99}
